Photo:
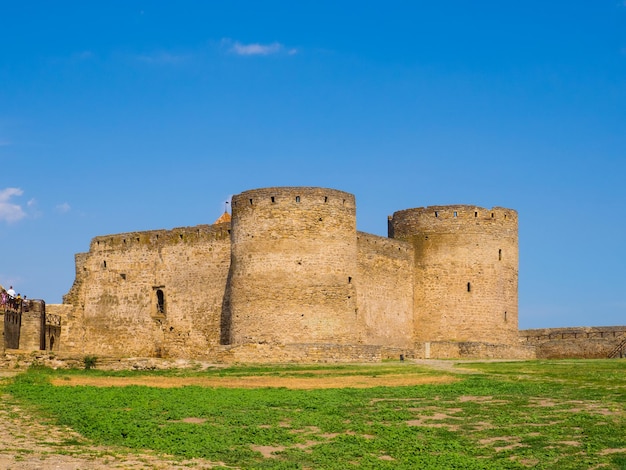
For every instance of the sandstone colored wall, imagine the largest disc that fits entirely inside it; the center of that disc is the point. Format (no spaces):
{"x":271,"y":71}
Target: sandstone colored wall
{"x":70,"y":336}
{"x":12,"y":323}
{"x":294,"y":268}
{"x":308,"y":353}
{"x":466,"y":265}
{"x":384,"y":287}
{"x":32,"y":325}
{"x":472,"y":350}
{"x":580,"y":342}
{"x":290,"y":279}
{"x":116,"y":293}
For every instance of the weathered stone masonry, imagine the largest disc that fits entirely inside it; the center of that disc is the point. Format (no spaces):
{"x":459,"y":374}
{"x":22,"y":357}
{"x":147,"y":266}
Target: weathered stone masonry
{"x":289,"y":278}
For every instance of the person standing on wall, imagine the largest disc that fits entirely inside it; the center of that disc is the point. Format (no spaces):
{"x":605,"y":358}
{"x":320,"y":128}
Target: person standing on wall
{"x":11,"y":294}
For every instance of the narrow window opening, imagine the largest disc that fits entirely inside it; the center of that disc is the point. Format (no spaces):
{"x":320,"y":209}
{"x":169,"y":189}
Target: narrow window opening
{"x":504,"y":216}
{"x":250,"y":201}
{"x":504,"y":316}
{"x":124,"y":240}
{"x":104,"y":264}
{"x":492,"y":215}
{"x":344,"y":202}
{"x":475,"y":214}
{"x":160,"y":301}
{"x":325,"y":198}
{"x":436,"y":214}
{"x":273,"y":200}
{"x":349,"y":279}
{"x":297,"y":198}
{"x":455,"y":213}
{"x":137,"y":238}
{"x":181,"y":236}
{"x":123,"y":276}
{"x":500,"y":255}
{"x":469,"y":287}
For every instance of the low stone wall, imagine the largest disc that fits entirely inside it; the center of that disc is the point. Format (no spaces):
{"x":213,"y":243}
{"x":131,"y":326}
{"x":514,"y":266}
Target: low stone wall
{"x":299,"y":353}
{"x":471,"y":350}
{"x":576,"y":342}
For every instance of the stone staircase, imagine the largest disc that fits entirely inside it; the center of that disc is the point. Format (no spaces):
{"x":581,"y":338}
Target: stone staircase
{"x":619,"y":350}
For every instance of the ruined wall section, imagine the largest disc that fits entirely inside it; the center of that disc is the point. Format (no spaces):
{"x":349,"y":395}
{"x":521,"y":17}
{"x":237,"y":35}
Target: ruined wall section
{"x":574,"y":342}
{"x":80,"y":275}
{"x":155,"y":293}
{"x":385,"y":290}
{"x":466,"y":272}
{"x":293,"y":267}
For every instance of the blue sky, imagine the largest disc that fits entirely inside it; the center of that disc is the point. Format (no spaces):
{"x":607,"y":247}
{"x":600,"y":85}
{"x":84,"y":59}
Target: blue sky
{"x":131,"y":115}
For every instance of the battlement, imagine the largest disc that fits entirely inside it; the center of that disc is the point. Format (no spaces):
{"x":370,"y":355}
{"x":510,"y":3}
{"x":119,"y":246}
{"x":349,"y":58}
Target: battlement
{"x":298,"y":196}
{"x":452,"y":218}
{"x":153,"y":238}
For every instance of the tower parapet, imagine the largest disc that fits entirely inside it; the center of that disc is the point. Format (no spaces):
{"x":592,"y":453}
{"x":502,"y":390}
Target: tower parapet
{"x":466,"y":271}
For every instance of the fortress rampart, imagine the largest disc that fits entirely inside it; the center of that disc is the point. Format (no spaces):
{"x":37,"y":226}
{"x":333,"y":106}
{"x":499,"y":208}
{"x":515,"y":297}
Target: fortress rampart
{"x":153,"y":293}
{"x":287,"y":277}
{"x":385,"y":291}
{"x":575,"y":342}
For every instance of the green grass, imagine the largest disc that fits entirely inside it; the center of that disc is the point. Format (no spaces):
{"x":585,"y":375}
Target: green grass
{"x":539,"y":414}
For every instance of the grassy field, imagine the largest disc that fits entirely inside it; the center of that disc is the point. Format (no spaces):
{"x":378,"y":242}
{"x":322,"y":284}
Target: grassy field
{"x":539,"y":414}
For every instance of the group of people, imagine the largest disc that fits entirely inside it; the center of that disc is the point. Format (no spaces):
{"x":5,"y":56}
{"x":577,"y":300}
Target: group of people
{"x":11,"y":299}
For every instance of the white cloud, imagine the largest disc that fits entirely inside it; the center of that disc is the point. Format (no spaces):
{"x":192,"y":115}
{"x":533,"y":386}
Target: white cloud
{"x":63,"y":208}
{"x":256,"y":48}
{"x":10,"y":212}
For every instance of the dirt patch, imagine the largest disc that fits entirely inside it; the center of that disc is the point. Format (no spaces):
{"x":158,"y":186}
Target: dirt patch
{"x":302,"y":383}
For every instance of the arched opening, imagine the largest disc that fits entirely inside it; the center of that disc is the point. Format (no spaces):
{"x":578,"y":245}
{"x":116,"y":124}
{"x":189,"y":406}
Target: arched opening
{"x":51,"y":342}
{"x":160,"y":301}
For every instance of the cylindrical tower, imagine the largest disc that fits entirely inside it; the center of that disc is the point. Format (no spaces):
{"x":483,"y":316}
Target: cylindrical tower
{"x":466,"y":271}
{"x":293,"y":267}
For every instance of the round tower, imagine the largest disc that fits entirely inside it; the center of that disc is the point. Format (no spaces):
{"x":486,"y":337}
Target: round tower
{"x":466,"y":271}
{"x":293,"y":266}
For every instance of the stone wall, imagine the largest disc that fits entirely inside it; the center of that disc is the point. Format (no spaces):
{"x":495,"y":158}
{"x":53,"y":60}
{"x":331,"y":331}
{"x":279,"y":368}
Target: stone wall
{"x":12,"y":323}
{"x":294,"y":267}
{"x":155,"y":293}
{"x":384,"y":287}
{"x":307,"y":353}
{"x":466,"y":265}
{"x":575,"y":342}
{"x":471,"y":350}
{"x":290,"y":279}
{"x":32,"y":325}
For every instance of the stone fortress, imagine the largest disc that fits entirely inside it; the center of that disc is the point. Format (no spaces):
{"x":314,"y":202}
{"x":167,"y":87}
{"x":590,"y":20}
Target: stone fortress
{"x":288,"y":278}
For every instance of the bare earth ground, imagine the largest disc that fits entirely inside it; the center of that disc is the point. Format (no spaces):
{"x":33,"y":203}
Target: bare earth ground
{"x":27,"y":444}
